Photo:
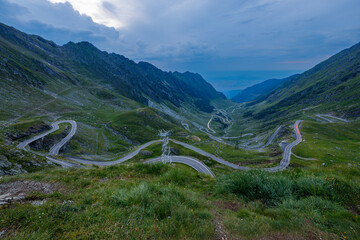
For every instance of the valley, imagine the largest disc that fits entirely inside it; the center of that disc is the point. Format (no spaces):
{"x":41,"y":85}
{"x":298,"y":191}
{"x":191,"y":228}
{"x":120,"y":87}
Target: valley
{"x":95,"y":145}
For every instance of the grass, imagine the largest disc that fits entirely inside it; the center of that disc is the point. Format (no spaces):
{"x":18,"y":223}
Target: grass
{"x":154,"y":150}
{"x":301,"y":204}
{"x":241,"y":156}
{"x":24,"y":126}
{"x":157,"y":201}
{"x":25,"y":160}
{"x":63,"y":127}
{"x":140,"y":201}
{"x":325,"y":141}
{"x":336,"y":145}
{"x":24,"y":129}
{"x":272,"y":189}
{"x":142,"y":125}
{"x":118,"y":203}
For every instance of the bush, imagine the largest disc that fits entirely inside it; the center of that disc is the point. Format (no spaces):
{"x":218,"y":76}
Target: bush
{"x":272,"y":188}
{"x":152,"y":169}
{"x":155,"y":200}
{"x":329,"y":188}
{"x":178,"y":176}
{"x":256,"y":185}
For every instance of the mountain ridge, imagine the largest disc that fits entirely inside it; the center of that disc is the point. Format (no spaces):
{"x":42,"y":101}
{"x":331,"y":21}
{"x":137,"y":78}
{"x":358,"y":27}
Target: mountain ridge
{"x":333,"y":85}
{"x":36,"y":59}
{"x":257,"y":90}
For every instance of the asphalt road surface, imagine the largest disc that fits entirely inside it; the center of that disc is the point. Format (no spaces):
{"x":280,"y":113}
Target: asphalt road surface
{"x":330,"y":118}
{"x":270,"y":140}
{"x":208,"y":124}
{"x":192,"y":162}
{"x":56,"y":148}
{"x":213,"y":157}
{"x":120,"y":160}
{"x":287,"y":152}
{"x":64,"y":164}
{"x":54,"y":127}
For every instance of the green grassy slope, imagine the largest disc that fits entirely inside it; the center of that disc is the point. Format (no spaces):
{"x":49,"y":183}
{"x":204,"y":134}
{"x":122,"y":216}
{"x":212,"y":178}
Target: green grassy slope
{"x":336,"y":145}
{"x":332,"y":86}
{"x":136,"y":201}
{"x":170,"y":202}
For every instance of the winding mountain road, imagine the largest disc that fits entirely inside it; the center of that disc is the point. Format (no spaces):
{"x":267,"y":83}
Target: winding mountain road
{"x":270,"y":140}
{"x":120,"y":160}
{"x":206,"y":154}
{"x":208,"y":124}
{"x":63,"y":163}
{"x":54,"y":127}
{"x":192,"y":162}
{"x":54,"y":150}
{"x":287,"y":151}
{"x":330,"y":118}
{"x":209,"y":131}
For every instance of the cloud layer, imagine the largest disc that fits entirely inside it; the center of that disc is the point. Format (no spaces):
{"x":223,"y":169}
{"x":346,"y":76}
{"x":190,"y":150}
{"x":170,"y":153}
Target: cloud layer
{"x":215,"y":39}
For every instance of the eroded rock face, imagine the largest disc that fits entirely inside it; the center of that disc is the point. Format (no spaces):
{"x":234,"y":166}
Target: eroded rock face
{"x":24,"y":187}
{"x":14,"y":161}
{"x":8,"y":168}
{"x":15,"y":134}
{"x":19,"y":190}
{"x":47,"y":142}
{"x":175,"y":151}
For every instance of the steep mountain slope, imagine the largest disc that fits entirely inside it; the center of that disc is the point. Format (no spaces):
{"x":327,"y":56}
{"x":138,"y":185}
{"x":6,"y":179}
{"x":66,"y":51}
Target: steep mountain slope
{"x":140,"y":81}
{"x":253,"y":92}
{"x":196,"y":86}
{"x":333,"y":86}
{"x":30,"y":63}
{"x":107,"y":94}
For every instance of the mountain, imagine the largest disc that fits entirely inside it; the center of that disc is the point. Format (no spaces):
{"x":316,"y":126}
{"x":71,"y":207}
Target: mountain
{"x":232,"y":93}
{"x":117,"y":102}
{"x":32,"y":61}
{"x":253,"y":92}
{"x":115,"y":105}
{"x":332,"y":86}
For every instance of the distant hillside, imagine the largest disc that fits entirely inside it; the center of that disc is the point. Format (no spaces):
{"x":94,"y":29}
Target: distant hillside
{"x":332,"y":86}
{"x":253,"y":92}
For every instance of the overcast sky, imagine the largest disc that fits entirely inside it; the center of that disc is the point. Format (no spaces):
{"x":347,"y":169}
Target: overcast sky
{"x":232,"y":43}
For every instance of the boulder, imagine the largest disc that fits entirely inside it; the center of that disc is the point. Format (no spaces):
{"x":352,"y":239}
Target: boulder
{"x":146,"y":153}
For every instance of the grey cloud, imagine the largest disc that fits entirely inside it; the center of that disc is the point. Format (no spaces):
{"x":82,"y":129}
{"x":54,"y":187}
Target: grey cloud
{"x":60,"y":23}
{"x":206,"y":36}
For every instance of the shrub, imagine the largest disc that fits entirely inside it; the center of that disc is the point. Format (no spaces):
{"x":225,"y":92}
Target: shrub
{"x":154,"y":200}
{"x":255,"y":185}
{"x":178,"y":176}
{"x":272,"y":188}
{"x":152,"y":169}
